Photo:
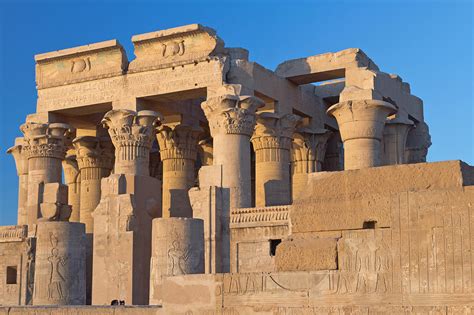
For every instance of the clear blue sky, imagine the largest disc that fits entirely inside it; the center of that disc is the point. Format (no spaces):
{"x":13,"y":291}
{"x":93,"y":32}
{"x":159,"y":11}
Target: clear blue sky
{"x":428,"y":43}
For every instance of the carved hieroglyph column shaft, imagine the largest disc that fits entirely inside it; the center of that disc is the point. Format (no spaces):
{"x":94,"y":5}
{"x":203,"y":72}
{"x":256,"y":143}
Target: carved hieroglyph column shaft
{"x":132,"y":135}
{"x":308,"y":153}
{"x":361,"y":124}
{"x":60,"y":277}
{"x":95,"y":159}
{"x":178,"y":151}
{"x":231,"y":121}
{"x":394,"y":140}
{"x":418,"y":142}
{"x":21,"y":162}
{"x":177,"y":249}
{"x":73,"y":181}
{"x":272,"y":143}
{"x":45,"y":149}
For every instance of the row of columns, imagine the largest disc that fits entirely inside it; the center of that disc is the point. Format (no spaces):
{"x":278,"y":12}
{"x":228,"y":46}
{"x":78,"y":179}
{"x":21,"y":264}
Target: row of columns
{"x":277,"y":141}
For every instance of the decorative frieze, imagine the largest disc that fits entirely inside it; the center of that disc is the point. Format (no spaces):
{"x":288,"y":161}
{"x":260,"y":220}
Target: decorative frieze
{"x":262,"y":216}
{"x":13,"y":233}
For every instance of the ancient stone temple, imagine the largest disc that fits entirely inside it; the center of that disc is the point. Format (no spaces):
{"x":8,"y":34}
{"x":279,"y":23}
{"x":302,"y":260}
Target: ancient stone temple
{"x":191,"y":180}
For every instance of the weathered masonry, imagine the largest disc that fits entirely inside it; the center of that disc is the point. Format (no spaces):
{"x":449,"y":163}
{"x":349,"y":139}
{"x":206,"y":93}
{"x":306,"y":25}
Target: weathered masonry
{"x":200,"y":182}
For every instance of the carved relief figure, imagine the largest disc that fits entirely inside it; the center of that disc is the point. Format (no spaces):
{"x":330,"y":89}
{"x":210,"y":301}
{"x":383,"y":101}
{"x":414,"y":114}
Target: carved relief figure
{"x":56,"y":281}
{"x":363,"y":267}
{"x":383,"y":267}
{"x":178,"y":258}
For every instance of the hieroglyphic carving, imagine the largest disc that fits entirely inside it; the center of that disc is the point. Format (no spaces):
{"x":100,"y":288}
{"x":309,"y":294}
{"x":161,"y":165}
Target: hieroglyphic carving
{"x":365,"y":263}
{"x":57,"y":283}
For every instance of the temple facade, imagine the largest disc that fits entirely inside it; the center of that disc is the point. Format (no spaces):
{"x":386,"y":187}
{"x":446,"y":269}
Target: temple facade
{"x":191,"y":180}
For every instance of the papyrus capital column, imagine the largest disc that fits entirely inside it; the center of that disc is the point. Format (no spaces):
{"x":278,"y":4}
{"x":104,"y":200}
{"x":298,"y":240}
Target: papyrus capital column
{"x":21,"y":162}
{"x":394,"y":140}
{"x":418,"y":143}
{"x":309,"y":149}
{"x":308,"y":153}
{"x":95,"y":159}
{"x":178,"y":151}
{"x":232,"y":120}
{"x":72,"y":179}
{"x":361,"y":124}
{"x":132,"y":134}
{"x":272,"y":143}
{"x":45,"y":148}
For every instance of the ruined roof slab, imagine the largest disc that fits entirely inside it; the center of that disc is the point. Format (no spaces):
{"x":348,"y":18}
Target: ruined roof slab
{"x":78,"y":64}
{"x":175,"y":46}
{"x":324,"y":67}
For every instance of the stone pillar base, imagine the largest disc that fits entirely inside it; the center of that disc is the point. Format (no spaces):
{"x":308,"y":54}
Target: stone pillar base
{"x":177,"y":249}
{"x":60,"y":270}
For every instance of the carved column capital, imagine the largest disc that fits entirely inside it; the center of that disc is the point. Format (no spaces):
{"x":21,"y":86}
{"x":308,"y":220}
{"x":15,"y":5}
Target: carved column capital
{"x":178,"y":142}
{"x":94,"y":152}
{"x":132,"y":134}
{"x":309,"y":146}
{"x":361,"y":124}
{"x":129,"y":128}
{"x":19,"y":154}
{"x":231,"y":114}
{"x":274,"y":131}
{"x":46,"y":140}
{"x":418,"y":143}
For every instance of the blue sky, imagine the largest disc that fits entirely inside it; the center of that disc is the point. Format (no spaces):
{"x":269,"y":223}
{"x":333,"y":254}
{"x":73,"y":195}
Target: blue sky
{"x":428,"y":43}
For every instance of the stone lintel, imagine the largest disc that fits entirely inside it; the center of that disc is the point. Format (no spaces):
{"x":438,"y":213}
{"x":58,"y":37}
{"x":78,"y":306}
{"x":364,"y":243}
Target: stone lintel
{"x":79,"y":64}
{"x":176,"y":46}
{"x":324,"y":67}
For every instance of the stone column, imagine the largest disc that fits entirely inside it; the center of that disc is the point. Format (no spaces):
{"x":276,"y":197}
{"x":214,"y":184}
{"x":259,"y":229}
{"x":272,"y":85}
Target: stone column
{"x":177,"y":249}
{"x":45,"y":149}
{"x":394,"y":140}
{"x":308,"y":153}
{"x":361,"y":124}
{"x":418,"y":142}
{"x":334,"y":157}
{"x":178,"y":151}
{"x":95,"y":159}
{"x":130,"y":199}
{"x":60,"y":277}
{"x":231,"y":121}
{"x":73,"y":181}
{"x":132,"y":135}
{"x":272,"y":143}
{"x":21,"y":161}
